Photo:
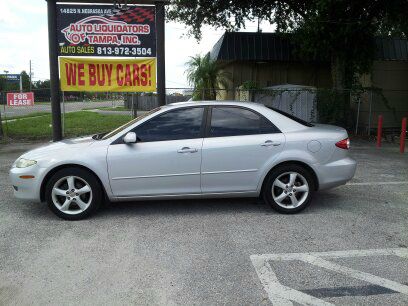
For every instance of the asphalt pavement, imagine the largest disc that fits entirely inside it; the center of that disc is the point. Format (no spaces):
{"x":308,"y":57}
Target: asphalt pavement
{"x":215,"y":252}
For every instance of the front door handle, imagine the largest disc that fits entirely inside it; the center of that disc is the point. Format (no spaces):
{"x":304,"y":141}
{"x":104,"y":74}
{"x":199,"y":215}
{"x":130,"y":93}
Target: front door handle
{"x":187,"y":150}
{"x":269,"y":143}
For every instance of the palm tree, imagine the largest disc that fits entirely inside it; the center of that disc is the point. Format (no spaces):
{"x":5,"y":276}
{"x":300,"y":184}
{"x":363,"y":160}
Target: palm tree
{"x":206,"y":76}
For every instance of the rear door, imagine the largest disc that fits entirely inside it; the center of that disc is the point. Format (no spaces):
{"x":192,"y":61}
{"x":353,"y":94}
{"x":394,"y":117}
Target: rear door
{"x":238,"y":143}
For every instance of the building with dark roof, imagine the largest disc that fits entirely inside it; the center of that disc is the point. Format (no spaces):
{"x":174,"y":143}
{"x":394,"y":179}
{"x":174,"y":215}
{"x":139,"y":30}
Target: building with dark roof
{"x":267,"y":59}
{"x":270,"y":59}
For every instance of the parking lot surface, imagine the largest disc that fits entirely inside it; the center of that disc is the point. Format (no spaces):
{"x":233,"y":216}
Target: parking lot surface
{"x":348,"y":248}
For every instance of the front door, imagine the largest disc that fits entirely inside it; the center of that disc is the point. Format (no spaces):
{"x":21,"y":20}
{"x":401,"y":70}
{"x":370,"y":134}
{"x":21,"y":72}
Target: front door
{"x":165,"y":160}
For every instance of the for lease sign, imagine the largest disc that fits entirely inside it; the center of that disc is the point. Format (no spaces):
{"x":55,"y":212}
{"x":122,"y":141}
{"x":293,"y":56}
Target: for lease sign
{"x":20,"y":99}
{"x":120,"y":75}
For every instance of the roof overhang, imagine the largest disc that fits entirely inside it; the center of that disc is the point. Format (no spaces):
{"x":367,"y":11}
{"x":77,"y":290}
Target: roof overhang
{"x":112,"y":1}
{"x":273,"y":47}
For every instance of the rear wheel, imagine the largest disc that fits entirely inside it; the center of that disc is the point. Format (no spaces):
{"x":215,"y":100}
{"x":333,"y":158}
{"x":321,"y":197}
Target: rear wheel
{"x":289,"y":189}
{"x":73,"y":193}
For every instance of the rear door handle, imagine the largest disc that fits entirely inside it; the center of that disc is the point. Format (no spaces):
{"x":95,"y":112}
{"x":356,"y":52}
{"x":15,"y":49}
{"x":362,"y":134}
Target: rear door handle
{"x":269,"y":143}
{"x":187,"y":150}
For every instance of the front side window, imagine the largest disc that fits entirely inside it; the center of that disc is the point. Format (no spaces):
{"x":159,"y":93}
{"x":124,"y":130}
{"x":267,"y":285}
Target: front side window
{"x":174,"y":125}
{"x":126,"y":125}
{"x":234,"y":121}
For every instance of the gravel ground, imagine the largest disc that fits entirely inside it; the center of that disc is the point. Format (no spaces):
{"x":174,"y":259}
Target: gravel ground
{"x":198,"y":251}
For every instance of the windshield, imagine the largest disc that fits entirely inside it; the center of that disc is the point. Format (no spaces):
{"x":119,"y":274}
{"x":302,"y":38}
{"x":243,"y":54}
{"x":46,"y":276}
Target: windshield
{"x":294,"y":118}
{"x":126,"y":125}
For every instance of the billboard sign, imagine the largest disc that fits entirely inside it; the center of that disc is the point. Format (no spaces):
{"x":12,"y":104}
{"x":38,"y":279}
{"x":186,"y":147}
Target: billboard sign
{"x":20,"y":99}
{"x":102,"y":30}
{"x":113,"y":75}
{"x":11,"y":78}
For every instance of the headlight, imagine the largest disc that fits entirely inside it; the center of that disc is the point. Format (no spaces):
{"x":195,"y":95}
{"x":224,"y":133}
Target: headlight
{"x":24,"y":163}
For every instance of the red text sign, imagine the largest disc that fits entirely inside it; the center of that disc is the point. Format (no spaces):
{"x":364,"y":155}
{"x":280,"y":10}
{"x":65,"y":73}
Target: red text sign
{"x":20,"y":99}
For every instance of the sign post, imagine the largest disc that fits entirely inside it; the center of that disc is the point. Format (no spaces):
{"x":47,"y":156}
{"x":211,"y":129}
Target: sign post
{"x":133,"y":30}
{"x":54,"y":77}
{"x":161,"y":62}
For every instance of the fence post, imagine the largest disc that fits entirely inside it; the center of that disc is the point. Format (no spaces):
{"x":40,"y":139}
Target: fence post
{"x":131,"y":103}
{"x":1,"y":123}
{"x":403,"y":133}
{"x":379,"y":130}
{"x":134,"y":105}
{"x":63,"y":114}
{"x":369,"y":113}
{"x":5,"y":130}
{"x":358,"y":113}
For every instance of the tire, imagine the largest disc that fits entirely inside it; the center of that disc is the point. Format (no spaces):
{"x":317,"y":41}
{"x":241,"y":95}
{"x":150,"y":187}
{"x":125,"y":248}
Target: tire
{"x":285,"y":196}
{"x":73,"y":194}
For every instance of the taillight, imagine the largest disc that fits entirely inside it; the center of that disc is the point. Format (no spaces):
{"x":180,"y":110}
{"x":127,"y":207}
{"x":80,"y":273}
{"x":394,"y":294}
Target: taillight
{"x":343,"y":144}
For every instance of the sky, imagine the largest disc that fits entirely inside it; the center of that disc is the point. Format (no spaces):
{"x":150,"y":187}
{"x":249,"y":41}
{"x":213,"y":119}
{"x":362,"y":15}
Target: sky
{"x":24,"y":37}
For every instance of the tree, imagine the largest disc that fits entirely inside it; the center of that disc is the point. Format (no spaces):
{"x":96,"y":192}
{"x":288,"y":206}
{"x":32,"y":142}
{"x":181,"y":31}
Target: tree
{"x":3,"y":83}
{"x":340,"y":31}
{"x":42,"y":84}
{"x":42,"y":90}
{"x":26,"y":80}
{"x":206,"y":76}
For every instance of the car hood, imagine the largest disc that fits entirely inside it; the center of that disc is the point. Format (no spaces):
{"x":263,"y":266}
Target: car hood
{"x":60,"y":147}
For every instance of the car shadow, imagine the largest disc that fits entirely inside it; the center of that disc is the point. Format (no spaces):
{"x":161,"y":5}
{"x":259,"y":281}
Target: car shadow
{"x":185,"y":207}
{"x":323,"y":201}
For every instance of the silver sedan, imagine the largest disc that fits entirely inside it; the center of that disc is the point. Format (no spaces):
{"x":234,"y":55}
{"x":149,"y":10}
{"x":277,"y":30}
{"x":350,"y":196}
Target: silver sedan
{"x":189,"y":150}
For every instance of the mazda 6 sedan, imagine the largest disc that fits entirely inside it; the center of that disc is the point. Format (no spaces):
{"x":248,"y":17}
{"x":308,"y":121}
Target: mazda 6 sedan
{"x":189,"y":150}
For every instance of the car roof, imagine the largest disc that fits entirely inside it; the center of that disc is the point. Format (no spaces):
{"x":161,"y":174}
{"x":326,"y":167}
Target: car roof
{"x":224,"y":102}
{"x":284,"y":123}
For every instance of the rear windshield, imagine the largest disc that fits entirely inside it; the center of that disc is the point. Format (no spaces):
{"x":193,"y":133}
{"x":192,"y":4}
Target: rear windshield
{"x":294,"y":118}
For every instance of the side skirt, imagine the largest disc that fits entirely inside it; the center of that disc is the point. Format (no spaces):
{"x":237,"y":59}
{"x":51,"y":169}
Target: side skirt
{"x":246,"y":194}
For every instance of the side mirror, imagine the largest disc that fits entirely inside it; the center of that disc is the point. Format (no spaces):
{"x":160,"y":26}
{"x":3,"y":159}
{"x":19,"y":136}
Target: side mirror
{"x":130,"y":138}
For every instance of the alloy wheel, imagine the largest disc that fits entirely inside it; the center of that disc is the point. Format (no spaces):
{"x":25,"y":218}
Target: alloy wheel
{"x":71,"y":195}
{"x":290,"y":190}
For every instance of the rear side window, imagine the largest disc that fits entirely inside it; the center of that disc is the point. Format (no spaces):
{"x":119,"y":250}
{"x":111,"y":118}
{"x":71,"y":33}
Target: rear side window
{"x":294,"y":118}
{"x":174,"y":125}
{"x":235,"y":121}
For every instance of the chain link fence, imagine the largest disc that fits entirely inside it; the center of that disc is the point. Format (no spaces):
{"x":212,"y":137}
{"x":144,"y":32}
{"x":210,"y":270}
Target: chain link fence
{"x":90,"y":113}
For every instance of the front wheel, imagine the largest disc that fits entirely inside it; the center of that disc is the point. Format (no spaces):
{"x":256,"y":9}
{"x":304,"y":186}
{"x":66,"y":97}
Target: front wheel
{"x":73,"y":193}
{"x":289,"y":189}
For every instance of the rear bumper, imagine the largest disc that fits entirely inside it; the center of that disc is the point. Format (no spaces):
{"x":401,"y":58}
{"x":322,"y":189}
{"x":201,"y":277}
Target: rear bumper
{"x":335,"y":173}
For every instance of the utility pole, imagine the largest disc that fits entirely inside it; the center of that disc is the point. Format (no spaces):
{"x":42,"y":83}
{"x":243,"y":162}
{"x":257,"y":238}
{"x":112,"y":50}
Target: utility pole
{"x":30,"y":75}
{"x":21,"y":82}
{"x":259,"y":30}
{"x":6,"y":81}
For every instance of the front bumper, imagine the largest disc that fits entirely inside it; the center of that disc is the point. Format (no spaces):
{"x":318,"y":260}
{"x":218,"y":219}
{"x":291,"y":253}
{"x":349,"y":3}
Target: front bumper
{"x":27,"y":189}
{"x":335,"y":173}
